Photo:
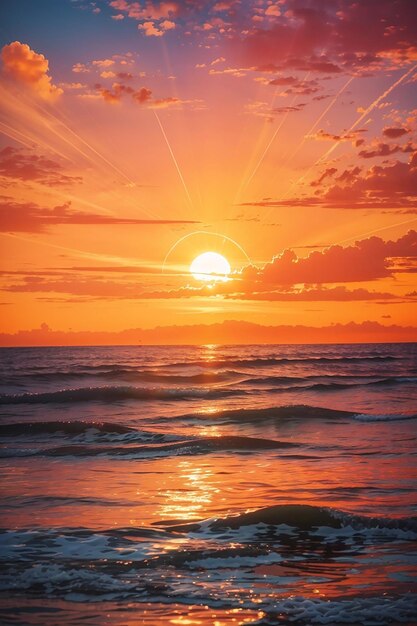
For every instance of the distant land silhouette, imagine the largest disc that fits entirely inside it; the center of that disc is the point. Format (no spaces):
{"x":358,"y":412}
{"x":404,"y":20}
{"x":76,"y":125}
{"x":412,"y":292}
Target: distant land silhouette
{"x":228,"y":332}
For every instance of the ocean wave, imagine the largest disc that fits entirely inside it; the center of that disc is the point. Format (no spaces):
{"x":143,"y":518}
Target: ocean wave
{"x":285,"y":412}
{"x":114,"y":394}
{"x":275,"y":551}
{"x":337,"y":386}
{"x":203,"y":445}
{"x":301,"y":517}
{"x":295,"y":411}
{"x":266,"y":361}
{"x":255,"y":530}
{"x":130,"y":375}
{"x":17,"y":502}
{"x":88,"y":584}
{"x":68,"y":428}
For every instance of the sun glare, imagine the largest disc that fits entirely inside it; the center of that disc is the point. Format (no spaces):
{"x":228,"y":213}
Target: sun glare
{"x":210,"y":266}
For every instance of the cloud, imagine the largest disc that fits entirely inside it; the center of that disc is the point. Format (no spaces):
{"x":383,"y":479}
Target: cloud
{"x":289,"y":109}
{"x":387,"y":186}
{"x":286,"y":278}
{"x":167,"y":25}
{"x":109,"y":67}
{"x":382,"y":186}
{"x":149,"y":10}
{"x":319,"y":277}
{"x":150,"y":29}
{"x":156,"y":17}
{"x":328,"y":37}
{"x":73,"y":86}
{"x":26,"y":67}
{"x":114,"y":94}
{"x":228,"y":71}
{"x":222,"y":6}
{"x":78,"y":286}
{"x":395,"y":132}
{"x":366,"y":260}
{"x":273,"y":10}
{"x":31,"y":218}
{"x":329,"y":172}
{"x":334,"y":294}
{"x":80,"y":68}
{"x":352,"y":136}
{"x":218,"y":60}
{"x":104,"y":62}
{"x":358,"y":37}
{"x":117,"y":90}
{"x":17,"y":164}
{"x":110,"y":289}
{"x":381,"y":149}
{"x":294,"y":86}
{"x":144,"y":96}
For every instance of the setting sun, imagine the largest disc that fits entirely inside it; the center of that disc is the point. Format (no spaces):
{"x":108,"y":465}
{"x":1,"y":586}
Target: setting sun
{"x":210,"y":266}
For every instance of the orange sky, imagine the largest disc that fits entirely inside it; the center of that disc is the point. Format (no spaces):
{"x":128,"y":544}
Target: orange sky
{"x":137,"y":135}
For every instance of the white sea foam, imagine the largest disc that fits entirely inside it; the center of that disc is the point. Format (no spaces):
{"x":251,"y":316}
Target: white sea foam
{"x":367,"y":417}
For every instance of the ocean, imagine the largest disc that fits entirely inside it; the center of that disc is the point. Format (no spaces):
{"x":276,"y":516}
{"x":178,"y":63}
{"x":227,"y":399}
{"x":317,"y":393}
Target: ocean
{"x":220,"y":485}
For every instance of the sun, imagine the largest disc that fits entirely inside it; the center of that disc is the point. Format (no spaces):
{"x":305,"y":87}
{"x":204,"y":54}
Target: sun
{"x":210,"y":267}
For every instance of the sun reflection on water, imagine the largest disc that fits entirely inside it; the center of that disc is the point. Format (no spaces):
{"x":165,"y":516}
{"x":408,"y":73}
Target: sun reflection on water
{"x":193,"y":495}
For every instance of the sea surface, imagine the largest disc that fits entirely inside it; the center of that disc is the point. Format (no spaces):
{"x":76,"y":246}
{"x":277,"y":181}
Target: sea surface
{"x":209,"y":485}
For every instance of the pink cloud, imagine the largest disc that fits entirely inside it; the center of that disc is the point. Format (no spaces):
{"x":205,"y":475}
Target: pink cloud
{"x":357,"y":36}
{"x":150,"y":29}
{"x":20,"y":165}
{"x":381,"y":149}
{"x":148,"y":10}
{"x":26,"y":67}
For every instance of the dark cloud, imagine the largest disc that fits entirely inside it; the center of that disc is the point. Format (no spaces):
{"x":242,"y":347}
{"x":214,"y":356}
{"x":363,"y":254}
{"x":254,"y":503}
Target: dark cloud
{"x":384,"y":149}
{"x":30,"y":218}
{"x":352,"y":136}
{"x":334,"y":294}
{"x":289,"y":109}
{"x":386,"y":186}
{"x":395,"y":132}
{"x":20,"y":165}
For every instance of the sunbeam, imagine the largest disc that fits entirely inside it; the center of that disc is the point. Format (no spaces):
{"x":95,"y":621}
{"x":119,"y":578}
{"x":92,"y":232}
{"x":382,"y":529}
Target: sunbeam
{"x":177,"y":167}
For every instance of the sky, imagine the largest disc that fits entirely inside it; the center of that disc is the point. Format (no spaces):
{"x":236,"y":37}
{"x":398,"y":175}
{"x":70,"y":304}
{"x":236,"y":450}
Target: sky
{"x":137,"y":135}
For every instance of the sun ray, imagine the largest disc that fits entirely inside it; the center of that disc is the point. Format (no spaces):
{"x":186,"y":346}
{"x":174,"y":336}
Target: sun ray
{"x":244,"y":184}
{"x":104,"y":258}
{"x":376,"y":230}
{"x":370,"y":108}
{"x":43,"y":118}
{"x":317,"y":122}
{"x":187,"y":193}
